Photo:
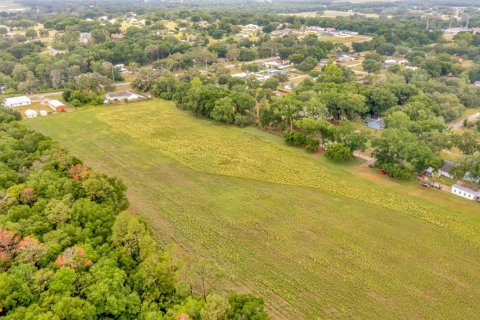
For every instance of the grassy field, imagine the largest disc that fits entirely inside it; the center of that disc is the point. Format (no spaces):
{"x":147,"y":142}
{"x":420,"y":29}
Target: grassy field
{"x":316,"y":239}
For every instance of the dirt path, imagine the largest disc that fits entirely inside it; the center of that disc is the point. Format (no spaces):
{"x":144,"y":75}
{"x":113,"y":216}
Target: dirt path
{"x":471,"y":118}
{"x":359,"y":155}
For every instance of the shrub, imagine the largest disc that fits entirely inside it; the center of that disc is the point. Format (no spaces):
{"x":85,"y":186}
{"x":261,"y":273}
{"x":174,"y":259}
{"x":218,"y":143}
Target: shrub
{"x":396,"y":171}
{"x":312,"y":144}
{"x":242,"y":120}
{"x":338,"y":152}
{"x":294,"y":138}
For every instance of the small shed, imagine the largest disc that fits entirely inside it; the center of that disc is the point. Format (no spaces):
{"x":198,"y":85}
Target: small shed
{"x":31,"y":113}
{"x":56,"y":105}
{"x":43,"y":113}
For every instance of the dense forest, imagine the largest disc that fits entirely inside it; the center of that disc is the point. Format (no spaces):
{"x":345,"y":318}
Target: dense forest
{"x":70,"y":250}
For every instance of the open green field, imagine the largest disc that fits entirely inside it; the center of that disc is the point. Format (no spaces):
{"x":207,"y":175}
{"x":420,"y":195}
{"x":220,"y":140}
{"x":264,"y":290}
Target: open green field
{"x":316,"y":239}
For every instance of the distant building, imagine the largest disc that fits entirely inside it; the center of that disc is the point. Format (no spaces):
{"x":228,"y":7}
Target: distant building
{"x":240,"y":75}
{"x":84,"y":37}
{"x":468,"y":177}
{"x":476,"y":83}
{"x":345,"y":58}
{"x":123,"y":96}
{"x":17,"y":102}
{"x":253,"y":27}
{"x":56,"y":105}
{"x":466,"y":191}
{"x":446,"y":169}
{"x":31,"y":113}
{"x":242,"y":36}
{"x":376,"y":124}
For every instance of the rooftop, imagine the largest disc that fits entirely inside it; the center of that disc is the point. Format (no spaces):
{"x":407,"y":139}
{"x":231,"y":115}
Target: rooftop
{"x":447,"y":166}
{"x":466,"y":188}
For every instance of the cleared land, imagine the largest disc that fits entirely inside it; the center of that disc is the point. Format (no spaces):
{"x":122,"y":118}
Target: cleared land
{"x":316,"y":239}
{"x":11,"y":6}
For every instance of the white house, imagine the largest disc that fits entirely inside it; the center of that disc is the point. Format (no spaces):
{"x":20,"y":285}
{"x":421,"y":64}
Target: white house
{"x":17,"y":102}
{"x":476,"y":83}
{"x":252,"y":27}
{"x":31,"y":113}
{"x":240,"y":75}
{"x":122,"y":96}
{"x":465,"y":191}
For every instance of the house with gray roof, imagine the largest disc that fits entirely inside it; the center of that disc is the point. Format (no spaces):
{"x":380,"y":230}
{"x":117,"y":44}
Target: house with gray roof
{"x":446,"y":169}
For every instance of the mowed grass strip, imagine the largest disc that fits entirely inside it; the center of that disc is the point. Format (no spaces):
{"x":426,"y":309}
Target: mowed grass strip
{"x":239,"y":198}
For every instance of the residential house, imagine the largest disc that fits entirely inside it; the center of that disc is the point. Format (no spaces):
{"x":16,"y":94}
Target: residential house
{"x":466,"y":191}
{"x":345,"y":58}
{"x":252,"y":27}
{"x":476,"y":83}
{"x":17,"y":102}
{"x":446,"y":169}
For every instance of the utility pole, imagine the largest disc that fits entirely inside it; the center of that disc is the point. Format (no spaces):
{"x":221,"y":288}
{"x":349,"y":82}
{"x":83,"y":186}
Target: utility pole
{"x":428,"y":21}
{"x":468,"y":20}
{"x":206,"y":65}
{"x":113,"y":74}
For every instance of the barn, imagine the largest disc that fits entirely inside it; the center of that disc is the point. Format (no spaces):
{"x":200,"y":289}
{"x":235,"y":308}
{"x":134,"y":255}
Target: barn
{"x":17,"y":102}
{"x":56,"y":105}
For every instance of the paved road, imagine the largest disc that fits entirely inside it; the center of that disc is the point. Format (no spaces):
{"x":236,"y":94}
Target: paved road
{"x":471,"y":118}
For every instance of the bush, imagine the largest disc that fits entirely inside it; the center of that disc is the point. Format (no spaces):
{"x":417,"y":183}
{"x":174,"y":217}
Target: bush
{"x":76,"y":103}
{"x":293,"y":138}
{"x":338,"y":152}
{"x":241,"y":120}
{"x":312,"y":144}
{"x":396,"y":171}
